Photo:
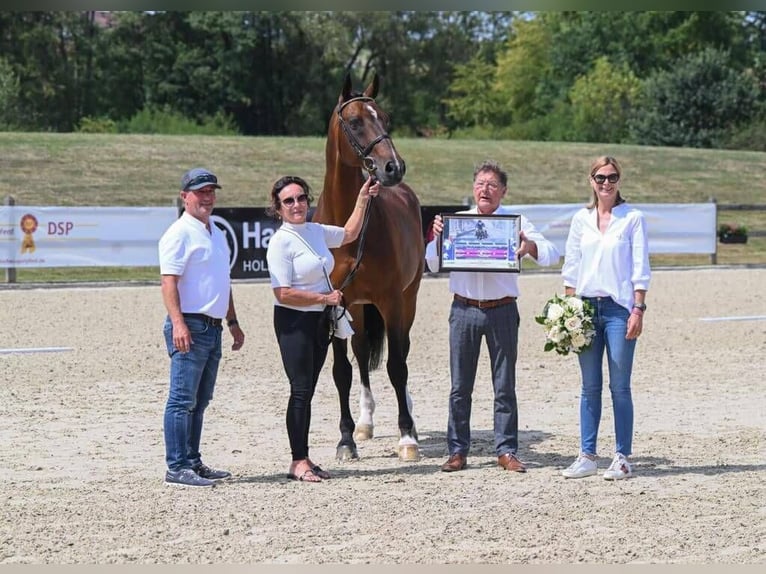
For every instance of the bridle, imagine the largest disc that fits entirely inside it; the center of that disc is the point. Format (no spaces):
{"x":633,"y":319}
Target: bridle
{"x":369,"y":166}
{"x":362,"y":152}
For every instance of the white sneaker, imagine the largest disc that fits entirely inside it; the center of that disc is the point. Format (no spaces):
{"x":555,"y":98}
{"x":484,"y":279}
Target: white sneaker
{"x":580,"y":468}
{"x":619,"y":469}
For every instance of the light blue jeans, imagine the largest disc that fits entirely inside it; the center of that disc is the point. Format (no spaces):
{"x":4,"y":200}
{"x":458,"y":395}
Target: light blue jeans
{"x":192,"y":379}
{"x":611,"y":323}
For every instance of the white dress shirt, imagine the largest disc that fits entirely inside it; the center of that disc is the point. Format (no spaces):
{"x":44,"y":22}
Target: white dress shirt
{"x":610,"y":264}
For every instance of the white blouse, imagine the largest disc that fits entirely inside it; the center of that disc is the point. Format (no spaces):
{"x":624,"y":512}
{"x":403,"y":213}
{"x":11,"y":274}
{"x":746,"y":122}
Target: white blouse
{"x":610,"y":264}
{"x":293,"y":264}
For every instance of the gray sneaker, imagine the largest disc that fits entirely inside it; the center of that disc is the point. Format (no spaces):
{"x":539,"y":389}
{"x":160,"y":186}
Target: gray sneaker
{"x":186,"y":477}
{"x":205,"y":471}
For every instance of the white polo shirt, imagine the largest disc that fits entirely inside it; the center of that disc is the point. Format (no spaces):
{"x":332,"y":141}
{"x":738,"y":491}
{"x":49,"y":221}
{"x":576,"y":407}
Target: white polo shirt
{"x":201,"y":260}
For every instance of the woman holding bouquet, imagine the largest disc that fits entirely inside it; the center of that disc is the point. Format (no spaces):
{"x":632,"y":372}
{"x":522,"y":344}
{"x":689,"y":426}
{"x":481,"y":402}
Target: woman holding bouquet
{"x":607,"y":264}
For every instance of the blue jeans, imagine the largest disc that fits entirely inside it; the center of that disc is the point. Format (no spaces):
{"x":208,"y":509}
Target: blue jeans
{"x":192,"y":379}
{"x":500,"y":327}
{"x":611,"y":323}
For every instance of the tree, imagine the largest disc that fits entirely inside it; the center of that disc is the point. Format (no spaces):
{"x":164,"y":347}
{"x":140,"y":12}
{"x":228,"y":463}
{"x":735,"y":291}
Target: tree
{"x":474,"y":101}
{"x":9,"y":97}
{"x":521,"y":69}
{"x":694,"y":103}
{"x":50,"y":54}
{"x":602,"y":102}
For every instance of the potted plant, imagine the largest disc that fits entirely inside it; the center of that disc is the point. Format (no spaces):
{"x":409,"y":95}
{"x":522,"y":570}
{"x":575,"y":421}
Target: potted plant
{"x":729,"y":233}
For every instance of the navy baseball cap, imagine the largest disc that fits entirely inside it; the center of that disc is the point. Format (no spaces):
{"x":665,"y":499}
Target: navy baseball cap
{"x":198,"y":178}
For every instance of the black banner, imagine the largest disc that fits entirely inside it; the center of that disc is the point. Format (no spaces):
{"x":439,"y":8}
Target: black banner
{"x":247,"y":230}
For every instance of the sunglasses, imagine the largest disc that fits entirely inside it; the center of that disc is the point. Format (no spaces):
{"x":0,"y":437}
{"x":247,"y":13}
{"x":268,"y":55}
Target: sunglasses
{"x":200,"y":179}
{"x":611,"y":178}
{"x":290,"y":201}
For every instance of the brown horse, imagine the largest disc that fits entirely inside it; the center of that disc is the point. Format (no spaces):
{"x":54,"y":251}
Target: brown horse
{"x":379,"y":278}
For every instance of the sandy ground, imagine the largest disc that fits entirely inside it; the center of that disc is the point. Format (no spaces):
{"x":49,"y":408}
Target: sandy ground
{"x":83,"y":458}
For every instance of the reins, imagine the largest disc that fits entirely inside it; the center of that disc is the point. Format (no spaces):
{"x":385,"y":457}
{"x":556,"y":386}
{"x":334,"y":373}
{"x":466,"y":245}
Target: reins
{"x":357,"y":262}
{"x":359,"y":247}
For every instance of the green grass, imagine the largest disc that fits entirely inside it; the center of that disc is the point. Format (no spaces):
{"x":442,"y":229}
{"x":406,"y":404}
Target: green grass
{"x":145,"y":170}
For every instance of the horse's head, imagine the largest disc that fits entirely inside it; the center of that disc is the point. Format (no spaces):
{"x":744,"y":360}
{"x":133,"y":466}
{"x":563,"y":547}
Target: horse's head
{"x":361,"y":127}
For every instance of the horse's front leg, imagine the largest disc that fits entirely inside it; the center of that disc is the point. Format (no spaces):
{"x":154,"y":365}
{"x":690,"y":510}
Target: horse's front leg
{"x":342,"y":375}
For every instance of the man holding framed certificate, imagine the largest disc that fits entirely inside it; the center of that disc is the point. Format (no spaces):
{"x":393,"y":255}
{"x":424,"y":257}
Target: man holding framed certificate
{"x":482,"y":249}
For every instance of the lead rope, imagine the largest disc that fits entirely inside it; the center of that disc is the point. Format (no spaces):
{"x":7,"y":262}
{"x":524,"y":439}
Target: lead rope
{"x":359,"y":247}
{"x":358,"y":260}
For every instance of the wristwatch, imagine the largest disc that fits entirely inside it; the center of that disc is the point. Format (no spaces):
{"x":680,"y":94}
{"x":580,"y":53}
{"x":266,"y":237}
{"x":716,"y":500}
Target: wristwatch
{"x":641,"y":306}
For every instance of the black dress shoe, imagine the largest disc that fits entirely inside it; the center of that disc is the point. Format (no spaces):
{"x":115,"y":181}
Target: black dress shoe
{"x":454,"y":463}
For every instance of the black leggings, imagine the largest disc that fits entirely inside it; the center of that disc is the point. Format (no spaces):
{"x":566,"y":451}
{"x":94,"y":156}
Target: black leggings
{"x":303,"y":355}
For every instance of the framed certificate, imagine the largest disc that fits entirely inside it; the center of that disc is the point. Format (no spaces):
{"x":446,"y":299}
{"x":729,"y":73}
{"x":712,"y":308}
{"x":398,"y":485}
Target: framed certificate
{"x":475,"y":242}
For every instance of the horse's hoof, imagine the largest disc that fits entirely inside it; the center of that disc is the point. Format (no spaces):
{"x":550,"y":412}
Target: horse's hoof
{"x":346,"y":453}
{"x":409,"y":453}
{"x":363,"y":432}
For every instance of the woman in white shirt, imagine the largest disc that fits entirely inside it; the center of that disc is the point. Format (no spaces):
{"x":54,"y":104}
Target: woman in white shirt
{"x":300,"y":261}
{"x":607,"y":263}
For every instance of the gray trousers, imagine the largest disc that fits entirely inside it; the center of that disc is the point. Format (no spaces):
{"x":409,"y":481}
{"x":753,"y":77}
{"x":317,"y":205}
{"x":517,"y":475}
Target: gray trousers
{"x":500,"y":327}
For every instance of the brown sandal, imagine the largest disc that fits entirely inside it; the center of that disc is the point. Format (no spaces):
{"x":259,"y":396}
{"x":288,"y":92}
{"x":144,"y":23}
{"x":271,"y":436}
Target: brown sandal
{"x":320,"y":472}
{"x":308,"y":476}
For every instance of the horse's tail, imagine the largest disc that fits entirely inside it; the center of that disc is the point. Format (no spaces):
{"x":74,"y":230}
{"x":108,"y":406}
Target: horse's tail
{"x":375,"y":330}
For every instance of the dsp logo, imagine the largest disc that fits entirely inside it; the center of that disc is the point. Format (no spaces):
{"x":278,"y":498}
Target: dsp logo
{"x":60,"y":227}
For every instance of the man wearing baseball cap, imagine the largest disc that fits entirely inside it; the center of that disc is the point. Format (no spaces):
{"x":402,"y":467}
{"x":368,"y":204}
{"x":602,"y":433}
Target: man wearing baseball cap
{"x":196,"y":291}
{"x":198,"y":178}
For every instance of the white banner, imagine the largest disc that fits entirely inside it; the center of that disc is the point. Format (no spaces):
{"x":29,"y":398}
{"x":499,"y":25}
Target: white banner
{"x":128,"y":236}
{"x":672,"y":227}
{"x":32,"y":236}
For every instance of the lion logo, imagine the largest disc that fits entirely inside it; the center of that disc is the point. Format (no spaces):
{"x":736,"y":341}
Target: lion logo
{"x":28,"y":226}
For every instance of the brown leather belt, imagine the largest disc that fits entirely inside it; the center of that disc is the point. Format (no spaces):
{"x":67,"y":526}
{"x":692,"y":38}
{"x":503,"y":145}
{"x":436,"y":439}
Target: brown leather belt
{"x":209,"y":320}
{"x":486,"y":304}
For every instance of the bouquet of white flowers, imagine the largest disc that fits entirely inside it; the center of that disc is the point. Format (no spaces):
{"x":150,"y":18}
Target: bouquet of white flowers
{"x":568,"y":323}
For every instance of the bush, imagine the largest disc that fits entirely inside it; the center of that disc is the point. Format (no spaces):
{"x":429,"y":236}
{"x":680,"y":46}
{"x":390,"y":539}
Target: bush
{"x":746,"y":137}
{"x":90,"y":125}
{"x":694,"y":103}
{"x":169,"y":122}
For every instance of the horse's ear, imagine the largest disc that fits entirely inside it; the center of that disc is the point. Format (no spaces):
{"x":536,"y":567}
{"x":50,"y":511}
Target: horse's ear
{"x":372,"y":89}
{"x":345,"y":93}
